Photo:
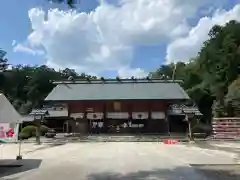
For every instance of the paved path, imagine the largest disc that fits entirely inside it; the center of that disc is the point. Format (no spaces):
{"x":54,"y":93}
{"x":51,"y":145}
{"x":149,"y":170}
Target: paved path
{"x":117,"y":161}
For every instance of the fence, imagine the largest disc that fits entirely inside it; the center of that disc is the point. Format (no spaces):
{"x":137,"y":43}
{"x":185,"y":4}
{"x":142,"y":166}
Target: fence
{"x":226,"y":128}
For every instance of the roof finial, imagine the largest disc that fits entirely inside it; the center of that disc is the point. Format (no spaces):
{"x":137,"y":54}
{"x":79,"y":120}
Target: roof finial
{"x":118,"y":79}
{"x":88,"y":79}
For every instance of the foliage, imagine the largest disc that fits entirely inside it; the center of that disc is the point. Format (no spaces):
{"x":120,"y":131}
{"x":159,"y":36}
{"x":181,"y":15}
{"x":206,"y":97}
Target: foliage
{"x":232,"y":98}
{"x":44,"y":130}
{"x":27,"y":86}
{"x":30,"y":131}
{"x":208,"y":78}
{"x":70,"y":3}
{"x":27,"y":132}
{"x":201,"y":130}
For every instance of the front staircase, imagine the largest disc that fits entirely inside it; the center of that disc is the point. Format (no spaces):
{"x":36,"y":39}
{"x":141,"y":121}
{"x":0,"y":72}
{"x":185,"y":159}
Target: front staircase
{"x":131,"y":138}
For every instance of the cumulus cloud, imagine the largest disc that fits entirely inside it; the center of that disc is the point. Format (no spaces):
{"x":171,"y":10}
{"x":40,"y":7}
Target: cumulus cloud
{"x":13,"y":42}
{"x":104,"y":39}
{"x":126,"y":72}
{"x":184,"y":48}
{"x":26,"y":49}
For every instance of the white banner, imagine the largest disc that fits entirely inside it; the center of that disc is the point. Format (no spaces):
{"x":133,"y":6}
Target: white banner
{"x":9,"y":132}
{"x":139,"y":115}
{"x":77,"y":115}
{"x":96,"y":115}
{"x":118,"y":115}
{"x":158,"y":115}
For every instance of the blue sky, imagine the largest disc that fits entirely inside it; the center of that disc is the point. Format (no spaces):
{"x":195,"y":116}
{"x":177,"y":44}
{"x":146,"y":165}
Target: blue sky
{"x":128,"y":39}
{"x":16,"y":25}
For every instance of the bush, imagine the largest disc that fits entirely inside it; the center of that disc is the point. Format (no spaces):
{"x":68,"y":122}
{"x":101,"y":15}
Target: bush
{"x":202,"y":129}
{"x":44,"y":130}
{"x":24,"y":135}
{"x":30,"y":131}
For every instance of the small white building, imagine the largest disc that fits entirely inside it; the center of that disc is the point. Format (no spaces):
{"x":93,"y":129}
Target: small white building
{"x":9,"y":118}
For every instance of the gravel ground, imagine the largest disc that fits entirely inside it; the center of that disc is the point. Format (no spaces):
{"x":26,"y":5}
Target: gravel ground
{"x":219,"y":172}
{"x":122,"y":161}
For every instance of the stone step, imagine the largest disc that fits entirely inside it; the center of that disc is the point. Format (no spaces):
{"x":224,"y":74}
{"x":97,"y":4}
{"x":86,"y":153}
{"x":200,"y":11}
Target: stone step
{"x":130,"y":138}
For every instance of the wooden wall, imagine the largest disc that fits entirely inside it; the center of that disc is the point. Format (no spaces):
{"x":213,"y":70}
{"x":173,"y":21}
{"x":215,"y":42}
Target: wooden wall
{"x":126,"y":106}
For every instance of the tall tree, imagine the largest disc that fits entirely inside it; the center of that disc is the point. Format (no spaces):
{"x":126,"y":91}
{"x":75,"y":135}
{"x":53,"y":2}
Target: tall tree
{"x":70,"y":3}
{"x":3,"y":61}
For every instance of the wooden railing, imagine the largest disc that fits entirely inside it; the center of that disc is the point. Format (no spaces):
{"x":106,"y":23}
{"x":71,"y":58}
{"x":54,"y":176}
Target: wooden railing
{"x":226,"y":128}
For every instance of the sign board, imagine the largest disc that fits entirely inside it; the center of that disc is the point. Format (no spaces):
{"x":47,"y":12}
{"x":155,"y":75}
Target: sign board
{"x":117,"y":106}
{"x":90,"y":109}
{"x":170,"y":141}
{"x":9,"y":132}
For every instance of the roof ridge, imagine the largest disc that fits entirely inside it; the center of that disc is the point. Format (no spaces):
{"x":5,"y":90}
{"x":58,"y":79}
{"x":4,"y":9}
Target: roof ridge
{"x":113,"y":81}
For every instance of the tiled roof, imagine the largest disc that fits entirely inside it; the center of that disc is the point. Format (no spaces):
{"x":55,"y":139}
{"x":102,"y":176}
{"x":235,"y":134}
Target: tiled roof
{"x":120,"y":90}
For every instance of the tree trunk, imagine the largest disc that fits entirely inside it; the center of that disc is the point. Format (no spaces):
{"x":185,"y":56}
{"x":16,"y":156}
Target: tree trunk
{"x":190,"y":131}
{"x":38,"y":132}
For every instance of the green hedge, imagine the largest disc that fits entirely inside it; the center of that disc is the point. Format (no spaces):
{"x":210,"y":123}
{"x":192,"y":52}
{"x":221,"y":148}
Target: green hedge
{"x":202,"y":128}
{"x":30,"y":131}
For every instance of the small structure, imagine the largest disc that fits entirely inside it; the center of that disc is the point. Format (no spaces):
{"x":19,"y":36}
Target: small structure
{"x":121,"y":105}
{"x":58,"y":118}
{"x":39,"y":115}
{"x":226,"y":128}
{"x":9,"y":118}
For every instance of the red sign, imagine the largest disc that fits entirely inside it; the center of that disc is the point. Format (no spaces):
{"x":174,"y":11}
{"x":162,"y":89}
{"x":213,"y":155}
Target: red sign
{"x":170,"y":141}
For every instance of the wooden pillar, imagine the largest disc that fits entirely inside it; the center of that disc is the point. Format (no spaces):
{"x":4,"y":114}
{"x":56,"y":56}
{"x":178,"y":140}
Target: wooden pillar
{"x":130,"y":107}
{"x":105,"y":124}
{"x":149,"y":116}
{"x":167,"y":120}
{"x":38,"y":133}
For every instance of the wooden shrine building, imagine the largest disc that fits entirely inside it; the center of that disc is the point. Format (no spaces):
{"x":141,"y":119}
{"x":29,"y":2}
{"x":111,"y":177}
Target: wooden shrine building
{"x":118,"y":106}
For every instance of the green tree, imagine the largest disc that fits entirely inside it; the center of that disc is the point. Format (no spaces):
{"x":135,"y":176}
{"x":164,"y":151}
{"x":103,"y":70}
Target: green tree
{"x":233,"y":99}
{"x":219,"y":61}
{"x":70,"y":3}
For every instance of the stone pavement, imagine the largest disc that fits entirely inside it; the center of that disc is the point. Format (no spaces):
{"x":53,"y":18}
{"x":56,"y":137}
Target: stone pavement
{"x":121,"y":161}
{"x":11,"y":150}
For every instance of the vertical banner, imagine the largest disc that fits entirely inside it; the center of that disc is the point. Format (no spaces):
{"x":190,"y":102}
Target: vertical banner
{"x":9,"y":132}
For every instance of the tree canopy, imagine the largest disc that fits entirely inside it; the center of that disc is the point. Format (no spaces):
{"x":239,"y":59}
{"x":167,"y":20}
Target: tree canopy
{"x":27,"y":86}
{"x":210,"y":78}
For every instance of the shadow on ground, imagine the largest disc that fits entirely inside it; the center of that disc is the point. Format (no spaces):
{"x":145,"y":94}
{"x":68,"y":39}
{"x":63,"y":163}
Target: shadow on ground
{"x":10,"y":166}
{"x":48,"y":145}
{"x":196,"y":172}
{"x":209,"y":146}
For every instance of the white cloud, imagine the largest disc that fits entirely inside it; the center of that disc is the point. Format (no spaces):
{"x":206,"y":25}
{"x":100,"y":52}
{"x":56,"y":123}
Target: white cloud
{"x":128,"y":72}
{"x":104,"y":39}
{"x":26,"y":49}
{"x":14,"y":42}
{"x":184,"y":48}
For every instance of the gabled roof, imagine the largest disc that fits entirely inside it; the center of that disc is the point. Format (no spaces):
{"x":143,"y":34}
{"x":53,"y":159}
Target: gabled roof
{"x":8,"y":113}
{"x":117,"y":90}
